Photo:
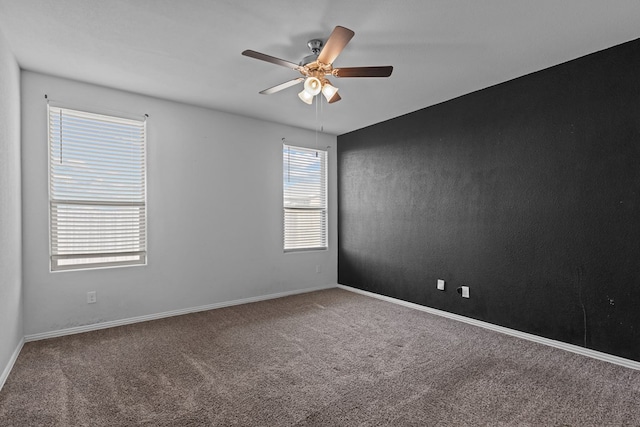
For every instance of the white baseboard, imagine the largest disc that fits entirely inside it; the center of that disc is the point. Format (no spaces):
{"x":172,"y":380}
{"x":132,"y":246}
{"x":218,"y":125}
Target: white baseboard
{"x":627,"y":363}
{"x":155,"y":316}
{"x":12,"y":361}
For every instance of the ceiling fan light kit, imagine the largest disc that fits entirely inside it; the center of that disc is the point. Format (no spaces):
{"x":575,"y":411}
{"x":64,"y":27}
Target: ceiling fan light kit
{"x":329,"y":91}
{"x":306,"y":97}
{"x":318,"y":65}
{"x":312,"y":85}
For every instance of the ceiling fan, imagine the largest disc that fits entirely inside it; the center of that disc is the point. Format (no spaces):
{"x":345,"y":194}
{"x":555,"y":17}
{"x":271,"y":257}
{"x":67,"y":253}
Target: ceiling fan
{"x":316,"y":67}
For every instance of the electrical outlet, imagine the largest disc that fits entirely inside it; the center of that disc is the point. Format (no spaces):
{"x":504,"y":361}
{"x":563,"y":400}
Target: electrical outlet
{"x":465,"y":292}
{"x":91,"y":297}
{"x":440,"y":284}
{"x":318,"y":269}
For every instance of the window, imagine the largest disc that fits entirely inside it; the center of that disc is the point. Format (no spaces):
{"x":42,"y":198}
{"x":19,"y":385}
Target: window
{"x":305,"y":198}
{"x":97,"y":190}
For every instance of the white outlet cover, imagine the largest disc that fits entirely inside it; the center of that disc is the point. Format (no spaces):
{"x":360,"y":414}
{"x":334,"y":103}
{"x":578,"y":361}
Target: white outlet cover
{"x":440,"y":284}
{"x":465,"y":292}
{"x":91,"y":297}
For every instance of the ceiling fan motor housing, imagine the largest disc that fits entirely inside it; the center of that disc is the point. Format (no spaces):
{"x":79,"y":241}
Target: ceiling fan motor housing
{"x":308,"y":59}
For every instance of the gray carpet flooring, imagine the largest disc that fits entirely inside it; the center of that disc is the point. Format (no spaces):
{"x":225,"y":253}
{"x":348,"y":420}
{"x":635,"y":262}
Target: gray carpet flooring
{"x":328,"y":358}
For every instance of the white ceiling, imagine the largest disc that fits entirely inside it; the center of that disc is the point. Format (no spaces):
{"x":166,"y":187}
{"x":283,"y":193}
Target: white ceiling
{"x":190,"y":50}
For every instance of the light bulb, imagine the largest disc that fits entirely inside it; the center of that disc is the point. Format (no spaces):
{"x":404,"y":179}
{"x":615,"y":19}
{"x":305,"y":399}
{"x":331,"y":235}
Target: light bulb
{"x":306,"y":97}
{"x":312,"y":86}
{"x":329,"y":91}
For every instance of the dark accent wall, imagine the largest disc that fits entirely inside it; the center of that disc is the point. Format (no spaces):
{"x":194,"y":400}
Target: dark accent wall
{"x":528,"y":192}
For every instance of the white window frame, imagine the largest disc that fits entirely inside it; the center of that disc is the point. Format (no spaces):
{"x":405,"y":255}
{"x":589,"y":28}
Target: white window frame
{"x":305,"y":196}
{"x":97,"y":190}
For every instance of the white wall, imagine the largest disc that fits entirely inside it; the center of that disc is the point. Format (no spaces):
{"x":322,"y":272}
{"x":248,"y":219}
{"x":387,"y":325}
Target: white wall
{"x":214,"y":213}
{"x":11,"y":331}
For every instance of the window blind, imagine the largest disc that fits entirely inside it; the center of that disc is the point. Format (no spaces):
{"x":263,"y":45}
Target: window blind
{"x":97,"y":190}
{"x":305,"y":198}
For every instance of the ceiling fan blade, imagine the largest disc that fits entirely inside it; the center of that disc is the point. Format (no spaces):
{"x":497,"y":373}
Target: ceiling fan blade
{"x":335,"y":98}
{"x":384,"y":71}
{"x":334,"y":45}
{"x":282,"y":86}
{"x":272,"y":59}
